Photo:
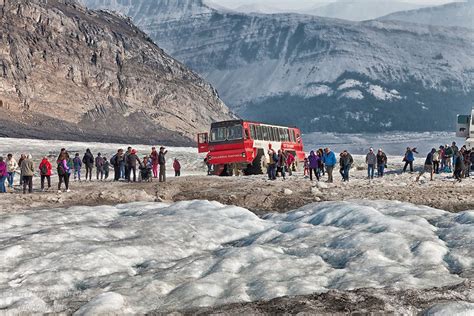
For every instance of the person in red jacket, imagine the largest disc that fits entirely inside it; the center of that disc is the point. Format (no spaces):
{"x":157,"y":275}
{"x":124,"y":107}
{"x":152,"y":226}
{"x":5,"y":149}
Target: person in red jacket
{"x":177,"y":168}
{"x":45,"y":168}
{"x":154,"y":161}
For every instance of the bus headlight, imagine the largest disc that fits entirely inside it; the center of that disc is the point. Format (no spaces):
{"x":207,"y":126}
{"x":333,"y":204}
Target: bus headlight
{"x":243,"y":155}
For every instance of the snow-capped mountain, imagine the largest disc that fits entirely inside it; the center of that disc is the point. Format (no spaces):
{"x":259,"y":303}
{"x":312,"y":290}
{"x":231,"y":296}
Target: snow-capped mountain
{"x":71,"y":73}
{"x":452,"y":14}
{"x":361,"y":10}
{"x":320,"y":73}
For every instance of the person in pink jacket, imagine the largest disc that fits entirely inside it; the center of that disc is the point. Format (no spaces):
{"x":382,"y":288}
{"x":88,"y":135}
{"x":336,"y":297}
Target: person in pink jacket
{"x":3,"y":175}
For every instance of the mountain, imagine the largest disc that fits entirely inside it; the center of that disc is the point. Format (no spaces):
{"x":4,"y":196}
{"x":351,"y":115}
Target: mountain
{"x":67,"y":72}
{"x":361,"y":10}
{"x":452,"y":14}
{"x":318,"y":73}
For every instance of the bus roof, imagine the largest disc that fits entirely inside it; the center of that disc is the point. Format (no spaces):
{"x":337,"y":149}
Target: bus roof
{"x":230,"y":122}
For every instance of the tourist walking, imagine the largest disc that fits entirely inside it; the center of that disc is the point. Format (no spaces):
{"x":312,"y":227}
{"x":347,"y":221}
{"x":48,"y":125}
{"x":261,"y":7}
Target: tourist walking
{"x":126,"y":166}
{"x":12,"y":165}
{"x":106,"y":168}
{"x":176,"y":167}
{"x":28,"y":171}
{"x":162,"y":163}
{"x":458,"y":166}
{"x":132,"y":160}
{"x":381,"y":162}
{"x":271,"y":167}
{"x":118,"y":163}
{"x":409,"y":158}
{"x":22,"y":157}
{"x":428,"y":167}
{"x":371,"y":161}
{"x":77,"y":167}
{"x":99,"y":165}
{"x":346,"y":164}
{"x":154,"y":161}
{"x":45,"y":169}
{"x":88,"y":161}
{"x":290,"y":160}
{"x":313,"y":165}
{"x":436,"y":161}
{"x":330,"y":161}
{"x":63,"y":171}
{"x":281,"y":164}
{"x":3,"y":175}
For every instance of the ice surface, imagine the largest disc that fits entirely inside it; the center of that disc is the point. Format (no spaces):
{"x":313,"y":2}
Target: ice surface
{"x":451,"y":308}
{"x":145,"y":256}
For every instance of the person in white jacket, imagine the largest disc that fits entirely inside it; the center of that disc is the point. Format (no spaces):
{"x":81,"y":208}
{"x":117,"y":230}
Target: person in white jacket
{"x":12,"y":165}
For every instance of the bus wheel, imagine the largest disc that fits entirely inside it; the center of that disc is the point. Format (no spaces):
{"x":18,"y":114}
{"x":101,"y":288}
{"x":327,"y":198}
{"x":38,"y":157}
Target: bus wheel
{"x":258,"y":165}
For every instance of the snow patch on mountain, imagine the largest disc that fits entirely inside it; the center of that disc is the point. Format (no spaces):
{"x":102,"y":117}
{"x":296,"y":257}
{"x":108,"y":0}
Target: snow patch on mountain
{"x":154,"y":256}
{"x":352,"y":94}
{"x":381,"y":94}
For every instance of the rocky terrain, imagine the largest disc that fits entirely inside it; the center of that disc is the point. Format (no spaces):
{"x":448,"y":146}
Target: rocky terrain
{"x":460,"y":14}
{"x":336,"y":75}
{"x":362,"y":301}
{"x":67,"y":72}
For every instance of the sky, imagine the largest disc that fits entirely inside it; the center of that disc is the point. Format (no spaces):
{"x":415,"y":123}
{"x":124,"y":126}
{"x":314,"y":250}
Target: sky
{"x":298,"y":4}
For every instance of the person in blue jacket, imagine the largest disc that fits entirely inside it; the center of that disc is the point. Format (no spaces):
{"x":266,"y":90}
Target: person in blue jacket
{"x":329,"y":161}
{"x":408,"y":159}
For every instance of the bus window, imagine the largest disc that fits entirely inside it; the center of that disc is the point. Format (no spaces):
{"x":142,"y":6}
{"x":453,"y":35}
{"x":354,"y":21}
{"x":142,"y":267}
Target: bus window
{"x":234,"y":132}
{"x":266,"y":134}
{"x":281,"y":134}
{"x":287,"y":137}
{"x":292,"y":136}
{"x":218,"y":134}
{"x":252,"y":132}
{"x":259,"y":133}
{"x":247,"y":134}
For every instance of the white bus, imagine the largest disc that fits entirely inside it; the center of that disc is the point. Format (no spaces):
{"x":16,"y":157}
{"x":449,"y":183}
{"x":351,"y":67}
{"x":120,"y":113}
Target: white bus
{"x":465,"y":128}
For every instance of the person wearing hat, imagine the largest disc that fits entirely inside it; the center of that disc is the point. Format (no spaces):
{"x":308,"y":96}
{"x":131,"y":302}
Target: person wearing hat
{"x":132,"y":160}
{"x":162,"y":163}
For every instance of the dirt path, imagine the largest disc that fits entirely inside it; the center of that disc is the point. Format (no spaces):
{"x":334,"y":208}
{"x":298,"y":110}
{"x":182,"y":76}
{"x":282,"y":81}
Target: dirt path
{"x":254,"y":193}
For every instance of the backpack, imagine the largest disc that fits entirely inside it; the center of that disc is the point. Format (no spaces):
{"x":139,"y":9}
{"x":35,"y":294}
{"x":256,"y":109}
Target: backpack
{"x":61,"y":170}
{"x":113,"y":160}
{"x":44,"y":169}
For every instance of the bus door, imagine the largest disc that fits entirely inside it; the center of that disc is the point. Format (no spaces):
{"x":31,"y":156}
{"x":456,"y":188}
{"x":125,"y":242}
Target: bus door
{"x":203,"y":142}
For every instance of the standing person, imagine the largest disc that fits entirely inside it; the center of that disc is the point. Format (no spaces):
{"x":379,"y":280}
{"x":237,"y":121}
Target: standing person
{"x":467,"y":162}
{"x":77,"y":167}
{"x":22,"y":157}
{"x":3,"y":175}
{"x":88,"y":161}
{"x":45,"y":169}
{"x":146,"y":169}
{"x":381,"y":162}
{"x":436,"y":160}
{"x":106,"y":168}
{"x":322,"y":156}
{"x":409,"y":158}
{"x":370,"y":160}
{"x":442,"y":158}
{"x":28,"y":171}
{"x":346,"y":162}
{"x":448,"y":152}
{"x":154,"y":161}
{"x":313,"y":162}
{"x":125,"y":161}
{"x":117,"y":162}
{"x":330,"y":161}
{"x":176,"y":167}
{"x":162,"y":163}
{"x":208,"y":165}
{"x":63,"y":171}
{"x":11,"y":169}
{"x":428,"y":167}
{"x":132,"y":160}
{"x":99,"y":165}
{"x":271,"y":168}
{"x":306,"y":167}
{"x":281,"y":164}
{"x":458,"y":166}
{"x":290,"y":160}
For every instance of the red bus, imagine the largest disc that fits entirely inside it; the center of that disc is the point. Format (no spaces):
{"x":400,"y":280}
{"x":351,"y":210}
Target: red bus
{"x":243,"y":145}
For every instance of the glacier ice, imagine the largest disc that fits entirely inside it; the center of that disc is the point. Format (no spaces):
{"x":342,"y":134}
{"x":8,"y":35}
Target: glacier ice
{"x":154,"y":256}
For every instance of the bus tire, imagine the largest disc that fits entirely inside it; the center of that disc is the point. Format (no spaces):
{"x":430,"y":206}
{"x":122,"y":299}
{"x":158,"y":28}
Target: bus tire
{"x":258,"y":164}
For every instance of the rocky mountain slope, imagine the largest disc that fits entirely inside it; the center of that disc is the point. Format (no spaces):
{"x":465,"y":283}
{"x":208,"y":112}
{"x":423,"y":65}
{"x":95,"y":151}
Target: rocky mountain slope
{"x":319,"y":73}
{"x":452,"y":14}
{"x":67,"y":72}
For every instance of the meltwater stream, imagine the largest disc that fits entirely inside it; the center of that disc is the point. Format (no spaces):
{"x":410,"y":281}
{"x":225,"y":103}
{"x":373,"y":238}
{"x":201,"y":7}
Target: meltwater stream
{"x":147,"y":256}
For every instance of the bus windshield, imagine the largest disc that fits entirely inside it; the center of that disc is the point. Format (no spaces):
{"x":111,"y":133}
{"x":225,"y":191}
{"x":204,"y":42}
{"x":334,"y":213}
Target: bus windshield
{"x":223,"y":133}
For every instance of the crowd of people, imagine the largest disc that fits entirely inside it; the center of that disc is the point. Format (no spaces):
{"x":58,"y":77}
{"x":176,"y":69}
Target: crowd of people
{"x":126,"y":165}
